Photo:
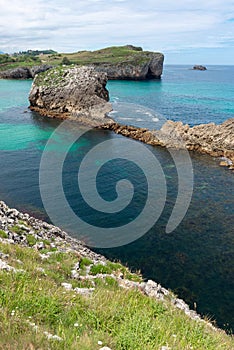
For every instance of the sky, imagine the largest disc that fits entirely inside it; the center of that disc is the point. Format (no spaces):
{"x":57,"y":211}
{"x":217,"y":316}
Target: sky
{"x":186,"y":31}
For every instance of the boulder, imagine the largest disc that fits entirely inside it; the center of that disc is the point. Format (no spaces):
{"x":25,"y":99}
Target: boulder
{"x":77,"y":93}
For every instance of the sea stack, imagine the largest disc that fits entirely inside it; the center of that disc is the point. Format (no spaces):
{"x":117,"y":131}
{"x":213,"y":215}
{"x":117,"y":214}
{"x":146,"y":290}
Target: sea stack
{"x":77,"y":93}
{"x":199,"y":67}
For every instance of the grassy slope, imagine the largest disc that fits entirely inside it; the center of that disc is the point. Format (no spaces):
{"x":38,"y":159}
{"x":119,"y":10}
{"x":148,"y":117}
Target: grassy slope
{"x":115,"y":54}
{"x":120,"y":318}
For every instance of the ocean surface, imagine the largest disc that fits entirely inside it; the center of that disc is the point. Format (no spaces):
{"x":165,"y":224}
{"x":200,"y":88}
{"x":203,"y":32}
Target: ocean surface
{"x":196,"y":259}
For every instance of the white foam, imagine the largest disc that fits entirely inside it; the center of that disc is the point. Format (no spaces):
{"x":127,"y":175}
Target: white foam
{"x":122,"y":118}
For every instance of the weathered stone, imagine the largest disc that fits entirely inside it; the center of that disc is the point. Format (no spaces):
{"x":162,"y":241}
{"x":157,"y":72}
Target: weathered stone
{"x":77,"y":93}
{"x":148,"y":66}
{"x":84,"y":291}
{"x":67,"y":286}
{"x":212,"y":139}
{"x":23,"y":72}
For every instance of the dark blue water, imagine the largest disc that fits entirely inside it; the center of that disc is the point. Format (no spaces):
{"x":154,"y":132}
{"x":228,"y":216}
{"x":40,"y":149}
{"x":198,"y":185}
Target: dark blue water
{"x":196,"y":259}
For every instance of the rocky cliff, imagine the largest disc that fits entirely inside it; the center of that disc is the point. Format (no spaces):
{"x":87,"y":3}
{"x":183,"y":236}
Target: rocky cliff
{"x":77,"y":93}
{"x":24,"y":72}
{"x":118,"y":62}
{"x":212,"y":139}
{"x":142,"y":67}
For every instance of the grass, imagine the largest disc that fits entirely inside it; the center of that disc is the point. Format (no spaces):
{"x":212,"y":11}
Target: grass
{"x":113,"y":55}
{"x":17,"y":229}
{"x":31,"y":240}
{"x":3,"y":234}
{"x":121,"y":319}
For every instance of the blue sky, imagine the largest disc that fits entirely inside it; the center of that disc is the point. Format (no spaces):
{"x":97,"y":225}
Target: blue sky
{"x":191,"y":32}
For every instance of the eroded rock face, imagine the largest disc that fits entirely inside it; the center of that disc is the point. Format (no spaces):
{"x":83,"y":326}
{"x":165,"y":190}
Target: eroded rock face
{"x":24,"y":72}
{"x":216,"y":140}
{"x":146,"y":66}
{"x":76,"y":93}
{"x":212,"y":139}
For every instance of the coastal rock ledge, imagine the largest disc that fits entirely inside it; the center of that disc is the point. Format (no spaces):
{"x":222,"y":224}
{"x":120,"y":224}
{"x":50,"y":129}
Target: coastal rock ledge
{"x":212,"y":139}
{"x":77,"y":93}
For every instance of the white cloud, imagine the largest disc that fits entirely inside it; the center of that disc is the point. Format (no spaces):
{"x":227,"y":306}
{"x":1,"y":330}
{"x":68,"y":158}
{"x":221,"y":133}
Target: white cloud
{"x":91,"y":24}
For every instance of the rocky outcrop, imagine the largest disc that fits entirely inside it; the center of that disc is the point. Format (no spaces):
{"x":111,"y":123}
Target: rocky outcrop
{"x":146,"y":65}
{"x":199,"y":67}
{"x":77,"y":93}
{"x":212,"y":139}
{"x":23,"y":72}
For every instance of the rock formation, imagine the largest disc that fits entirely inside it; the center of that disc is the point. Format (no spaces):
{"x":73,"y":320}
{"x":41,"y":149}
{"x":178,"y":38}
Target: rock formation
{"x":212,"y":139}
{"x":118,"y":62}
{"x":76,"y":93}
{"x":199,"y":67}
{"x":23,"y":72}
{"x":80,"y":93}
{"x":145,"y":66}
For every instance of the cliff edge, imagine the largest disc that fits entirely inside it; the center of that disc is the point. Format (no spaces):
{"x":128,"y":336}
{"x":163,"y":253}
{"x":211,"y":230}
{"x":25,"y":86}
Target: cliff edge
{"x":77,"y":93}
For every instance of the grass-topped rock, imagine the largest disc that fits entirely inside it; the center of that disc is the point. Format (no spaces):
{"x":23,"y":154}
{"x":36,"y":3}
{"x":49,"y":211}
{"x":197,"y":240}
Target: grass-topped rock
{"x":77,"y":93}
{"x":118,"y":62}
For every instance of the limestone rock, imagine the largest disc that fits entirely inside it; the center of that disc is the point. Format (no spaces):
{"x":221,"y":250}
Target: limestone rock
{"x":147,"y":66}
{"x":16,"y":73}
{"x":77,"y":93}
{"x":212,"y":139}
{"x":23,"y":72}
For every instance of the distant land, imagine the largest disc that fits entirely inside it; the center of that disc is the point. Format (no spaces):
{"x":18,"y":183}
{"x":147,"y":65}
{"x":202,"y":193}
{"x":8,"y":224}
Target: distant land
{"x":119,"y":62}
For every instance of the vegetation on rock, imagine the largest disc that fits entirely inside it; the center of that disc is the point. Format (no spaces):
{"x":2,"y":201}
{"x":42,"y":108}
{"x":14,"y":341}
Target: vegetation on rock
{"x":121,"y":57}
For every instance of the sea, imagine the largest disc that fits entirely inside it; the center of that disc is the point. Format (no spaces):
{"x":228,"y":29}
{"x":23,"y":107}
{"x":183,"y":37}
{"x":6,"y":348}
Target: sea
{"x":194,"y":256}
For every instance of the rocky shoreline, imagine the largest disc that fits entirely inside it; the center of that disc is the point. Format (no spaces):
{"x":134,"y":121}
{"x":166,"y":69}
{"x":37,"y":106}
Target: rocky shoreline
{"x":79,"y":93}
{"x":22,"y":229}
{"x":24,"y":72}
{"x":214,"y":140}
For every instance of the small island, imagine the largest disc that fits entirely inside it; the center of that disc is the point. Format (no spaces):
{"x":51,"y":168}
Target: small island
{"x":199,"y":67}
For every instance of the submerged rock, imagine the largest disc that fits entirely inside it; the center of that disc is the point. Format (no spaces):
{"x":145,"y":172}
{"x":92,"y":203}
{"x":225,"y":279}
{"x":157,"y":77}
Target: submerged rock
{"x":77,"y":93}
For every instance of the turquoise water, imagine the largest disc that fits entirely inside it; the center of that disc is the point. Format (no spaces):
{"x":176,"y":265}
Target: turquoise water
{"x":195,"y":260}
{"x":193,"y":97}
